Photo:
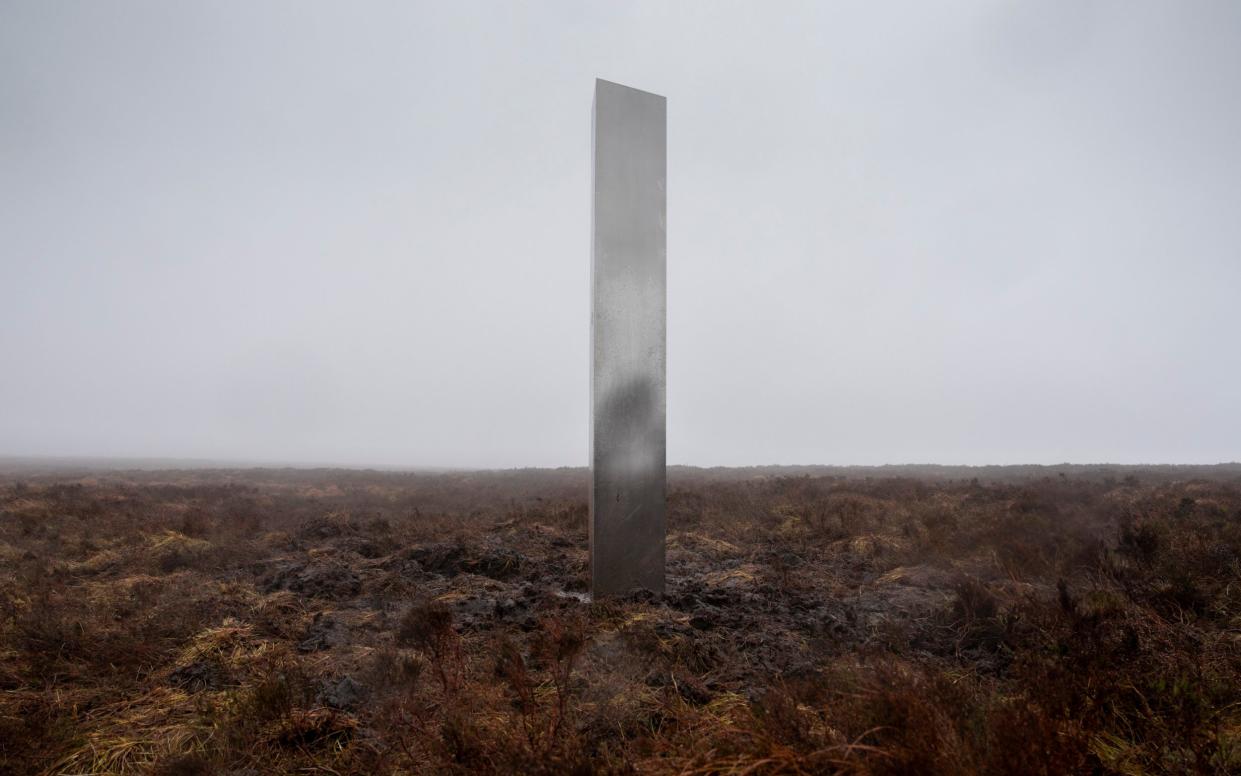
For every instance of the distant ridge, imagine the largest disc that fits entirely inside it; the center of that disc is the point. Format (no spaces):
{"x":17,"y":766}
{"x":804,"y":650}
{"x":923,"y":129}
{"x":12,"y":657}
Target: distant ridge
{"x":66,"y":467}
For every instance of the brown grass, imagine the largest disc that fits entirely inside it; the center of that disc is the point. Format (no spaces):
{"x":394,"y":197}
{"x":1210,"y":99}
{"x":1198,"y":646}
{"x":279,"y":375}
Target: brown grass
{"x":359,"y":622}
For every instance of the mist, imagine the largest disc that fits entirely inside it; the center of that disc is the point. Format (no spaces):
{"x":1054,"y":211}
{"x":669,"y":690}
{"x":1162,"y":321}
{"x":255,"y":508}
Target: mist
{"x":966,"y":233}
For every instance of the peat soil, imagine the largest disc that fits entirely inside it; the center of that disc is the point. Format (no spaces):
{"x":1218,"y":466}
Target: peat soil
{"x":1070,"y":620}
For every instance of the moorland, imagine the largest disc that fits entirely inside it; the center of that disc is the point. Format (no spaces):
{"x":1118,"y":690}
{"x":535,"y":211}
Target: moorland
{"x":935,"y":620}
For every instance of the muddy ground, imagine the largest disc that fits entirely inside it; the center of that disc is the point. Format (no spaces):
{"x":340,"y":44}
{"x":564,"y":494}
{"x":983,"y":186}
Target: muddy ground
{"x":1076,"y":620}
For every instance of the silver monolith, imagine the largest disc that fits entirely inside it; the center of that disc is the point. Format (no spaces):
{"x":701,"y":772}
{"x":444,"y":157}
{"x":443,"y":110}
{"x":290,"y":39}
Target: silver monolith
{"x":628,"y":348}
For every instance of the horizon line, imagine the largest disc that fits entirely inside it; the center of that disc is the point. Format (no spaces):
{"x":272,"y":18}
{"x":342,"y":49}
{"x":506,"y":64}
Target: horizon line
{"x":157,"y":463}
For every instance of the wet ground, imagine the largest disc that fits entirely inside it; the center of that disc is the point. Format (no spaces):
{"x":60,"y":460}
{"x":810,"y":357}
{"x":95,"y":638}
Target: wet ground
{"x":259,"y":621}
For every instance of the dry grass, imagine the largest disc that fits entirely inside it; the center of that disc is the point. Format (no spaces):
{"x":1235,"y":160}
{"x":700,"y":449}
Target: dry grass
{"x":358,"y":622}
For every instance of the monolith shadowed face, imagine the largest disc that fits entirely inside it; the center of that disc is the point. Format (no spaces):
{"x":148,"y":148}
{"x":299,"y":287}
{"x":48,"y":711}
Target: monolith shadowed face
{"x":628,"y":332}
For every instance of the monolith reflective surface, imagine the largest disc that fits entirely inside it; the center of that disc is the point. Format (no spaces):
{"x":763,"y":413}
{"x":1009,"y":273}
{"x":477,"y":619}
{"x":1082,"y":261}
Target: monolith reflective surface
{"x":628,"y":341}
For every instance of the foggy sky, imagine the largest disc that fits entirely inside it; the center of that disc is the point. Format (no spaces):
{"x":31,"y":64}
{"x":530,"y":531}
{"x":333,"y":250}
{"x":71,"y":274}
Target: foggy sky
{"x":953,"y":232}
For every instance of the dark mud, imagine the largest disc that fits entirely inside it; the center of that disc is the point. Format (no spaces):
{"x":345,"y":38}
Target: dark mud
{"x":353,"y":622}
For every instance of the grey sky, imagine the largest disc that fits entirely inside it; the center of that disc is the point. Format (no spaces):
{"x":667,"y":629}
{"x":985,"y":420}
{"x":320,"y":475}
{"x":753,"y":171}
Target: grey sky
{"x":954,"y":232}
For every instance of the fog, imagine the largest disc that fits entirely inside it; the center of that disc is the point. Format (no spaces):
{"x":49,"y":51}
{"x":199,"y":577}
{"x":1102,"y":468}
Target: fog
{"x":959,"y":232}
